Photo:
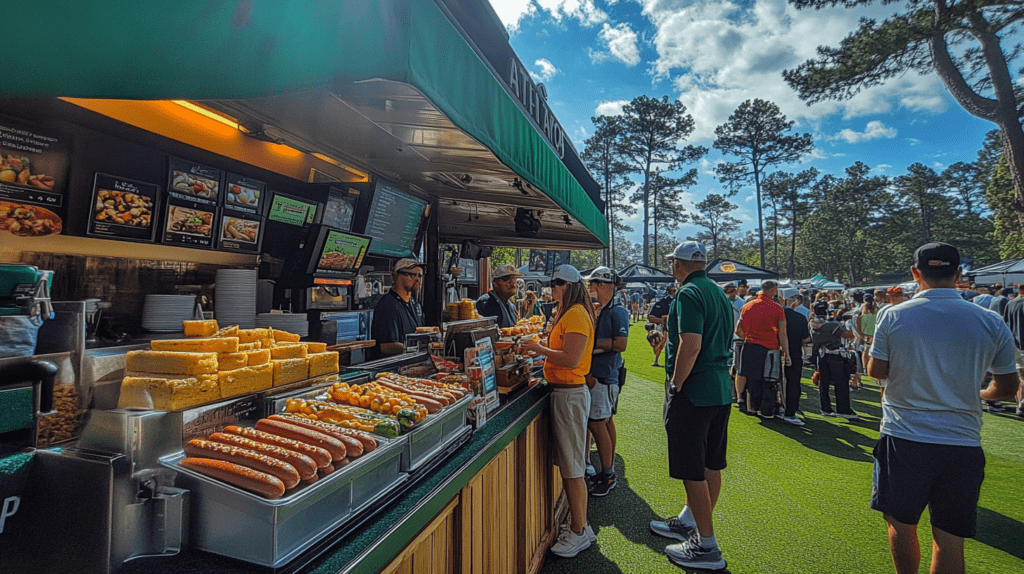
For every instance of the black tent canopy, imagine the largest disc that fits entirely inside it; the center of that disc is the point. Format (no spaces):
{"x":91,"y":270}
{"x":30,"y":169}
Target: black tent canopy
{"x":728,"y":270}
{"x":637,"y":273}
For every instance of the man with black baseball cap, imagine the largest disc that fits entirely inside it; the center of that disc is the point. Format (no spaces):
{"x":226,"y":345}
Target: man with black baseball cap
{"x":496,"y":302}
{"x":397,"y":313}
{"x":933,"y":349}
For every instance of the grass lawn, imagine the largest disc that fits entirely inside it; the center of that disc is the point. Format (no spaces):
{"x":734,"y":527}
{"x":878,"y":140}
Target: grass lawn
{"x":794,"y":500}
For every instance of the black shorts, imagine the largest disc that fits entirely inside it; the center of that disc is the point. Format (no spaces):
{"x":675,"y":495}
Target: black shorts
{"x":752,"y":359}
{"x":737,"y":357}
{"x":910,"y":476}
{"x":697,"y":438}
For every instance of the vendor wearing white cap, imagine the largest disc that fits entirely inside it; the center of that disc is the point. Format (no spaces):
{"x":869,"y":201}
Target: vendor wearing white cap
{"x":496,"y":302}
{"x":397,"y":314}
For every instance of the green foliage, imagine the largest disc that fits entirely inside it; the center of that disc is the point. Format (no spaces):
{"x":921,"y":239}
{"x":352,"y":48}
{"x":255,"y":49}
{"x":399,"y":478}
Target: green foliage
{"x":603,"y":157}
{"x":999,"y":194}
{"x":713,"y":214}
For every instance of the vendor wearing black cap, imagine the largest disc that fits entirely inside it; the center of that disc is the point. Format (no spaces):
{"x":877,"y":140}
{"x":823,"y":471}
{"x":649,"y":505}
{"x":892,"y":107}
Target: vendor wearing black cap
{"x":397,"y":314}
{"x":496,"y":302}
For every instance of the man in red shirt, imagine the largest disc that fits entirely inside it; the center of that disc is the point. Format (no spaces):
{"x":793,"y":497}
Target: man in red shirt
{"x":762,"y":326}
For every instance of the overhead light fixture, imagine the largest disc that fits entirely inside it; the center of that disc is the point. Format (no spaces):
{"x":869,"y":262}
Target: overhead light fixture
{"x":526,"y":224}
{"x":518,"y":184}
{"x":207,"y":112}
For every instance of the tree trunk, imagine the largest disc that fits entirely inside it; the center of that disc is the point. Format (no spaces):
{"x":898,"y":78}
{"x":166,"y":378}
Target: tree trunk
{"x":760,"y":219}
{"x":647,"y":182}
{"x":792,"y":252}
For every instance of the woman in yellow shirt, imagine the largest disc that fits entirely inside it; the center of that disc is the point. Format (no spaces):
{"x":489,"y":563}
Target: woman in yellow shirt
{"x":566,"y":364}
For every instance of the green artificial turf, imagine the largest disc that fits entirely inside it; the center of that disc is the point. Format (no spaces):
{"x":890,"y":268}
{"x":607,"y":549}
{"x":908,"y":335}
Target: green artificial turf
{"x":794,"y":500}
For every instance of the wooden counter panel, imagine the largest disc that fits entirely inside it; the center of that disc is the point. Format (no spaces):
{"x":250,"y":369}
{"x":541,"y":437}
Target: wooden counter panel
{"x":432,"y":550}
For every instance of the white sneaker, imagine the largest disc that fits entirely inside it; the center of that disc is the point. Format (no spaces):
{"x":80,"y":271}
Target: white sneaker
{"x":588,"y":530}
{"x":793,"y":421}
{"x":569,"y":544}
{"x":850,"y":416}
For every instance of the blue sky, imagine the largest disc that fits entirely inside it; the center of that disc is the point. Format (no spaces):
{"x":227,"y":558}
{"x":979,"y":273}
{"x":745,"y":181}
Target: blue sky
{"x":594,"y":55}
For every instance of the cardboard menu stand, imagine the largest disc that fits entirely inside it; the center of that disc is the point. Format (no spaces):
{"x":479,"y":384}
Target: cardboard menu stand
{"x":190,"y":215}
{"x":479,"y":362}
{"x":34,"y":164}
{"x":123,"y":208}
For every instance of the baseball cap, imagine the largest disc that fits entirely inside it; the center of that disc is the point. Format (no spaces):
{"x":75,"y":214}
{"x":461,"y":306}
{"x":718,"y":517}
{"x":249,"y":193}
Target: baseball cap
{"x":869,"y":298}
{"x":821,"y":308}
{"x":729,"y":287}
{"x":507,"y":270}
{"x":602,"y":274}
{"x":690,"y":251}
{"x":567,"y":273}
{"x":895,"y":289}
{"x":407,"y":263}
{"x":936,"y":255}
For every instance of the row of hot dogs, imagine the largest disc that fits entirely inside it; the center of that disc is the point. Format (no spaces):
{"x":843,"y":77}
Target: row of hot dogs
{"x":279,"y":454}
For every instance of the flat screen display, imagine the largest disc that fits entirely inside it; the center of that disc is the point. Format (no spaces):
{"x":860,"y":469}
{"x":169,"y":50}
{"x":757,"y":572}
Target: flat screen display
{"x":341,"y":206}
{"x":394,"y":221}
{"x":291,"y":210}
{"x":337,"y":252}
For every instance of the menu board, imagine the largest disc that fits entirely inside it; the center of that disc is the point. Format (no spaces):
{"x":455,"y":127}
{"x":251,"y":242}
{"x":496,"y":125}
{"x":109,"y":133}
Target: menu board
{"x":244,"y":195}
{"x":291,"y":210}
{"x":342,"y":252}
{"x":189,"y":226}
{"x":393,"y":221}
{"x":238,"y":232}
{"x":341,"y":206}
{"x":123,"y":208}
{"x":194,"y":183}
{"x":33,"y":178}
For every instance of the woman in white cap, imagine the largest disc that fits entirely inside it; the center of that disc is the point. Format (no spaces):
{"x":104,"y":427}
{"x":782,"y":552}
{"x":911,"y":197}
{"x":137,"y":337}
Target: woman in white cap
{"x":567,"y":362}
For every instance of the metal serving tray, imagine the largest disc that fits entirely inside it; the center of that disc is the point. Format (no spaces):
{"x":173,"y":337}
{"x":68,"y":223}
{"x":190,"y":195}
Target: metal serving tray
{"x":434,"y":434}
{"x":232,"y":522}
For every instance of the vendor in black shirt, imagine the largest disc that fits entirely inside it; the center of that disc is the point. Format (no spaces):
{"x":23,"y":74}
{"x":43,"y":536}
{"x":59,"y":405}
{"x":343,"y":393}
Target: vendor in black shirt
{"x":397,"y":313}
{"x":495,"y":303}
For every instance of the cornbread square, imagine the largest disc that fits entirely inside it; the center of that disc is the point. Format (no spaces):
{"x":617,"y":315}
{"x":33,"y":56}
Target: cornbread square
{"x":253,"y":335}
{"x":315,"y":348}
{"x":259,"y":357}
{"x":199,"y":328}
{"x":285,"y":336}
{"x":171,"y":362}
{"x":288,"y":371}
{"x":248,"y":346}
{"x":219,"y":345}
{"x":167,"y":393}
{"x":232,"y":361}
{"x":246,"y":380}
{"x":231,"y":331}
{"x":288,"y":351}
{"x":322,"y":363}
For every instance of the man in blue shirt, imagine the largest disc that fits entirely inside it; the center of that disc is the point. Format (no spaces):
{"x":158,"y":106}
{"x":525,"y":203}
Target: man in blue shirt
{"x":397,"y":313}
{"x":610,"y":337}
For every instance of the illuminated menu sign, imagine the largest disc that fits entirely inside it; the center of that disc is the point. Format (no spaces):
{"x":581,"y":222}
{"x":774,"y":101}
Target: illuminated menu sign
{"x":393,"y":222}
{"x":291,"y":211}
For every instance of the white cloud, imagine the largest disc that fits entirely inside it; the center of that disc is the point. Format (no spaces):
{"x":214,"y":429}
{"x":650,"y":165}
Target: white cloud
{"x":874,"y":130}
{"x":511,"y":12}
{"x":546,"y":72}
{"x":719,"y":53}
{"x":610,"y":108}
{"x":880,"y":168}
{"x":912,"y":141}
{"x":621,"y":43}
{"x":585,"y":11}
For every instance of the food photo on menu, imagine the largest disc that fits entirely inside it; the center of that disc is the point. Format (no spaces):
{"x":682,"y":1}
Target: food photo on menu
{"x":16,"y":168}
{"x":189,"y":221}
{"x":27,"y":220}
{"x":123,"y":208}
{"x":194,"y":185}
{"x":237,"y":229}
{"x":241,"y":195}
{"x":339,"y":255}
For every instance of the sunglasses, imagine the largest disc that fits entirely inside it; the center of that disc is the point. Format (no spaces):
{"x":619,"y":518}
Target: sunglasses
{"x":560,"y":282}
{"x":413,"y":275}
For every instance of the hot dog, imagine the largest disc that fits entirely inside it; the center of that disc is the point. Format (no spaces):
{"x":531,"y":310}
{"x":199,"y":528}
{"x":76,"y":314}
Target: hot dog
{"x":287,"y":474}
{"x":302,"y":434}
{"x":261,"y":483}
{"x":432,"y":401}
{"x":369,"y":443}
{"x":328,"y":469}
{"x":353,"y":446}
{"x":319,"y":455}
{"x":302,"y":463}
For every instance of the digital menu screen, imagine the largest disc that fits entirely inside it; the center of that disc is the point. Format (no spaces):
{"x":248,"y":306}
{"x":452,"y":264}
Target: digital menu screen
{"x":238,"y":232}
{"x":33,"y":178}
{"x":243,"y":194}
{"x":291,"y":210}
{"x":194,"y":183}
{"x":123,"y":208}
{"x":341,"y":206}
{"x":189,"y":227}
{"x":341,"y":252}
{"x":393,"y":221}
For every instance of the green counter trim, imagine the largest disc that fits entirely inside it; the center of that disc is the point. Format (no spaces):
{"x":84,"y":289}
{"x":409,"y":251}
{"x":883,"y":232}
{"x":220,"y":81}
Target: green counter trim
{"x":381,"y":553}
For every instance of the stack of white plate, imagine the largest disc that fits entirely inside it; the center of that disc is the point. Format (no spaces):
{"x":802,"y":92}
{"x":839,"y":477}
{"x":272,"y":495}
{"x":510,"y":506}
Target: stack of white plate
{"x":164,"y":313}
{"x":235,"y":298}
{"x":292,"y":322}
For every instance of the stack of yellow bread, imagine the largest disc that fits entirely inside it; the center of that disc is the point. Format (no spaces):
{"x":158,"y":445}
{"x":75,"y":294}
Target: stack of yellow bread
{"x":215,"y":363}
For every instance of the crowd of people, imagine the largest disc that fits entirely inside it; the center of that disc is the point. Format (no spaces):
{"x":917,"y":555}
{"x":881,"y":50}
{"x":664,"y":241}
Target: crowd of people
{"x":726,"y":344}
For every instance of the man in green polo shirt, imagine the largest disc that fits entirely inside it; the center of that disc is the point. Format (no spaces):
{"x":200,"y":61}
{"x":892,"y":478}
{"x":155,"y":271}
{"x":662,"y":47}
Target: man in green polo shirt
{"x":698,"y":393}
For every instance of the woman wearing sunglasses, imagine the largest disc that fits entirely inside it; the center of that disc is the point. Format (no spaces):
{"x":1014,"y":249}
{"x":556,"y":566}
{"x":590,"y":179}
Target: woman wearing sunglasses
{"x":566,"y":364}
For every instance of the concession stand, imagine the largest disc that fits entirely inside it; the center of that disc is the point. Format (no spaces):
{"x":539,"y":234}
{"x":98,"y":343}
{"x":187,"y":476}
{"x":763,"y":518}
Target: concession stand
{"x":200,"y":207}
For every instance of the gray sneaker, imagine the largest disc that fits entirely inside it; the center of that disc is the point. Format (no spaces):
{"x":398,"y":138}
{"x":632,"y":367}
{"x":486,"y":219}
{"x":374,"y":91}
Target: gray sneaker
{"x":850,"y":416}
{"x":588,"y":530}
{"x":673,"y":528}
{"x":690,"y":555}
{"x":569,"y":544}
{"x":793,"y":421}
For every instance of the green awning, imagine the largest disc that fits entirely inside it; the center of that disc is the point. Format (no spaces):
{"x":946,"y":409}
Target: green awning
{"x":222,"y":50}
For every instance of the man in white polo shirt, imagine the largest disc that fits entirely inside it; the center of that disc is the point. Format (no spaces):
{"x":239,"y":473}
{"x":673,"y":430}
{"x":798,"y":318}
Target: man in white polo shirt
{"x":934,"y":349}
